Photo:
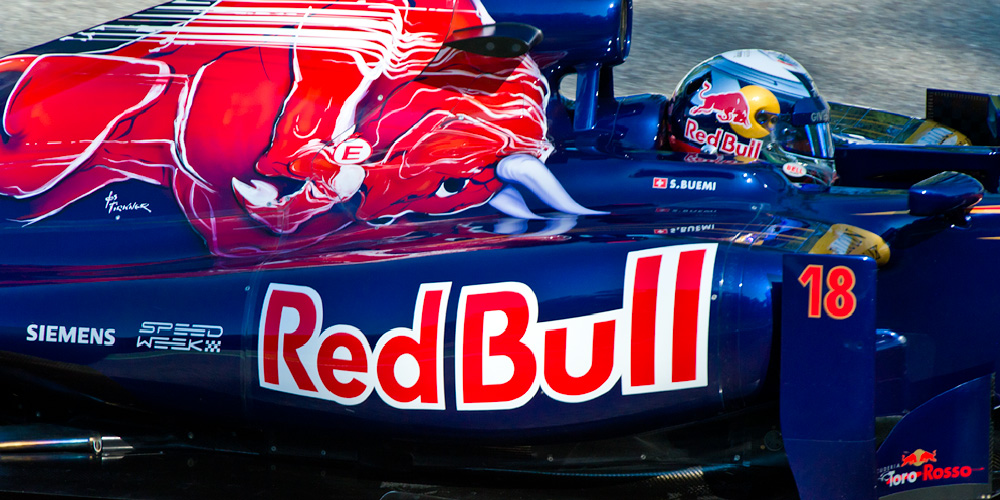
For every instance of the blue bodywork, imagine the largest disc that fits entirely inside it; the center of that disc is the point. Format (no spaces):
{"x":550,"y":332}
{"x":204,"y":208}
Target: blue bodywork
{"x":169,"y":336}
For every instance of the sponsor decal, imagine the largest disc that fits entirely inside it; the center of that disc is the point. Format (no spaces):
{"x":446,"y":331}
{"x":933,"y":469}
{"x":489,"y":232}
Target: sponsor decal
{"x":928,"y":473}
{"x":794,"y":169}
{"x":664,"y":210}
{"x":728,"y":107}
{"x":685,"y":229}
{"x":926,"y":470}
{"x":71,"y":335}
{"x":919,"y":457}
{"x":179,"y":337}
{"x":820,"y":116}
{"x":683,"y":184}
{"x":717,"y":159}
{"x":657,"y":341}
{"x":891,"y":478}
{"x":722,"y":141}
{"x":352,"y":151}
{"x":845,"y":239}
{"x":786,"y":60}
{"x":116,"y":207}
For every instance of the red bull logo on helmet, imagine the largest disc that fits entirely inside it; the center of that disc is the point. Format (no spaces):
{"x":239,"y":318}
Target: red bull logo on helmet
{"x":729,"y":107}
{"x":721,"y":141}
{"x":504,"y":356}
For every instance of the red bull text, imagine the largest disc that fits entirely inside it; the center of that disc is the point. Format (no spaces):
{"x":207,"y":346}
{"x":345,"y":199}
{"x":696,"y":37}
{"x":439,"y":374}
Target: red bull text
{"x":658,"y":341}
{"x":724,"y":142}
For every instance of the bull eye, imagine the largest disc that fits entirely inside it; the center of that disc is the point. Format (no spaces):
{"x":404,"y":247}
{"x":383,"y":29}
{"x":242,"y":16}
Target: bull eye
{"x":450,"y":186}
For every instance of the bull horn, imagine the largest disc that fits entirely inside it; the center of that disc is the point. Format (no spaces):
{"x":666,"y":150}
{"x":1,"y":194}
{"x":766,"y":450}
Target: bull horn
{"x":509,"y":201}
{"x":528,"y":171}
{"x":261,"y":194}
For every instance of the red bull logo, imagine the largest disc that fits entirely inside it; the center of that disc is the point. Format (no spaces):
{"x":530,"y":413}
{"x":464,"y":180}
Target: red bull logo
{"x":919,"y":457}
{"x":729,"y":107}
{"x":504,"y":356}
{"x":723,"y":142}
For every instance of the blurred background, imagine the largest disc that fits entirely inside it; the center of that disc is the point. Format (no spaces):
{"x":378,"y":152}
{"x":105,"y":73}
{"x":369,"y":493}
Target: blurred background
{"x":878,"y":53}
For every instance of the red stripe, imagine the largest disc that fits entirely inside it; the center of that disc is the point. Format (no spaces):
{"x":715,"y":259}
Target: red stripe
{"x":685,"y":355}
{"x":647,"y":277}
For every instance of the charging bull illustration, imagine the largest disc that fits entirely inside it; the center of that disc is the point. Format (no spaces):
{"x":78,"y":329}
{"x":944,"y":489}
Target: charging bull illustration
{"x":728,"y":107}
{"x":285,"y":122}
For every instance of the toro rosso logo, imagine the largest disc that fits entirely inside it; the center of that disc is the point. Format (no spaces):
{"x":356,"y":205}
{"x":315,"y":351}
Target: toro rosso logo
{"x":926,"y":471}
{"x":657,"y":341}
{"x":729,"y":107}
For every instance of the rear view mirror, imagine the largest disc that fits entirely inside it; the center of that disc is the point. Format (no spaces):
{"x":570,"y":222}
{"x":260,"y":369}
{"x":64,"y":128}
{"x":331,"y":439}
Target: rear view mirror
{"x":497,"y":40}
{"x":944,"y":193}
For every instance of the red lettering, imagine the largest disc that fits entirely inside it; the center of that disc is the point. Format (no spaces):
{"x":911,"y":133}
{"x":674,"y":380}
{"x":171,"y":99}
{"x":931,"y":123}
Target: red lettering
{"x":502,"y":353}
{"x":666,"y":310}
{"x":725,"y":142}
{"x":931,"y":473}
{"x":690,"y":127}
{"x":647,"y":278}
{"x":728,"y":143}
{"x":715,"y":139}
{"x":352,"y":152}
{"x":686,"y":299}
{"x":292,"y":315}
{"x":513,"y":367}
{"x":557,"y":377}
{"x":328,"y":364}
{"x":424,"y":346}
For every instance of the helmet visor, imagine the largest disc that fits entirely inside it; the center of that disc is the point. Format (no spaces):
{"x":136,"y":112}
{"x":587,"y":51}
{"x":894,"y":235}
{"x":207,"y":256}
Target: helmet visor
{"x":813,"y":139}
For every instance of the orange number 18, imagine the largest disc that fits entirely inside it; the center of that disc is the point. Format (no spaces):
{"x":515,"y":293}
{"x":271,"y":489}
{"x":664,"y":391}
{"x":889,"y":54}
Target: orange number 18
{"x":839,"y":301}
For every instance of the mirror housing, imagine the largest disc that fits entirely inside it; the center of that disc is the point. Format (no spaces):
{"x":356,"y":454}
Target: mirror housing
{"x":944,"y":193}
{"x":496,"y":40}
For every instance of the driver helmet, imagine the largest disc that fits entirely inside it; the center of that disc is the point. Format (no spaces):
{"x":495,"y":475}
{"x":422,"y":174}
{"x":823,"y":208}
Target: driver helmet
{"x":754,"y":105}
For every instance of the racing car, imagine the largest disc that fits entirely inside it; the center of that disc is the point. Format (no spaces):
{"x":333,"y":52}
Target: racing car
{"x":374,"y":249}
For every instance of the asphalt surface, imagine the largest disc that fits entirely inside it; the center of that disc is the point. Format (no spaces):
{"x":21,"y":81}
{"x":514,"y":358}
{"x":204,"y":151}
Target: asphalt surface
{"x":878,"y":53}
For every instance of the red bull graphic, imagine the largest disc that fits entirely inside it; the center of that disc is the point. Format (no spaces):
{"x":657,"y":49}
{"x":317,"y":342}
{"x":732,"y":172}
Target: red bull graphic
{"x":284,"y":121}
{"x":919,"y":457}
{"x":657,"y":341}
{"x":729,"y":107}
